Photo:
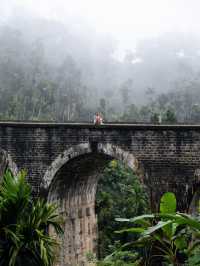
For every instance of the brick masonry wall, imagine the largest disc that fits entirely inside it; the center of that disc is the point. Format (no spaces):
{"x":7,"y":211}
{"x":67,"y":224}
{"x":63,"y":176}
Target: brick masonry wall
{"x":171,"y":152}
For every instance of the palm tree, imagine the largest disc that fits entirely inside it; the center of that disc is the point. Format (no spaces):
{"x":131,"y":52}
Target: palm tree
{"x":24,"y":223}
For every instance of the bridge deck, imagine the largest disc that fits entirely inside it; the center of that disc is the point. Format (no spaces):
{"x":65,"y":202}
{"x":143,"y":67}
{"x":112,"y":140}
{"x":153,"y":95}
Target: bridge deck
{"x":103,"y":126}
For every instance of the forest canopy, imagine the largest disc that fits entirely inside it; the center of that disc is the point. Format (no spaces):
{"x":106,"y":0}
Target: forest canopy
{"x":53,"y":71}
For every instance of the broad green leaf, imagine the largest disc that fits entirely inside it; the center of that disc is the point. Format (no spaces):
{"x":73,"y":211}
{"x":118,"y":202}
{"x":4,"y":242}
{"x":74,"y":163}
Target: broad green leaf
{"x":122,"y":220}
{"x":158,"y":226}
{"x":131,"y":230}
{"x":182,"y":219}
{"x":141,"y":220}
{"x":141,"y":217}
{"x":168,"y":203}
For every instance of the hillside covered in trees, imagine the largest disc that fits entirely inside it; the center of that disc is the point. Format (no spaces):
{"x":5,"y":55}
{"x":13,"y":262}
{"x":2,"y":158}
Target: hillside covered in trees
{"x":57,"y":72}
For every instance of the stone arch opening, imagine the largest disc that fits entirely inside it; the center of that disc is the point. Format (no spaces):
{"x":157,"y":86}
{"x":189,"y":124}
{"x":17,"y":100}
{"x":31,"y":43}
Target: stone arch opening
{"x":85,"y":148}
{"x":6,"y":162}
{"x":194,"y":194}
{"x":73,"y":188}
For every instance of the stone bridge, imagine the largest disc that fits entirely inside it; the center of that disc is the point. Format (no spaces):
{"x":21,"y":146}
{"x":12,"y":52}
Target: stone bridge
{"x":64,"y":162}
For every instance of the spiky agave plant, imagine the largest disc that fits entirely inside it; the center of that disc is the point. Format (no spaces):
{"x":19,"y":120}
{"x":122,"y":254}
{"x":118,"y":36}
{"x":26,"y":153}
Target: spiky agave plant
{"x":24,"y":223}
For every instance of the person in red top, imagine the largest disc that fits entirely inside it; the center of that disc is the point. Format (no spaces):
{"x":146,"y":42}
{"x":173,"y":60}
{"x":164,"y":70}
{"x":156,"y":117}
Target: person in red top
{"x":98,"y":120}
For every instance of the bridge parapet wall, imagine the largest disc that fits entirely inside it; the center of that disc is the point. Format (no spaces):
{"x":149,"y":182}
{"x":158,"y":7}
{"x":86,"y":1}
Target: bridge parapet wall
{"x":170,"y":155}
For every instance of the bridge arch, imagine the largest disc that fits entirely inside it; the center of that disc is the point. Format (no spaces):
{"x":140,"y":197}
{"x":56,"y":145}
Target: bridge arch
{"x":194,"y":194}
{"x":7,"y":162}
{"x":71,"y":181}
{"x":111,"y":150}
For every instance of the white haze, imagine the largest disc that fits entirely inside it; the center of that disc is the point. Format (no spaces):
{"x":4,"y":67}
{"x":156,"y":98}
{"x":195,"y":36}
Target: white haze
{"x":127,"y":21}
{"x":111,"y":45}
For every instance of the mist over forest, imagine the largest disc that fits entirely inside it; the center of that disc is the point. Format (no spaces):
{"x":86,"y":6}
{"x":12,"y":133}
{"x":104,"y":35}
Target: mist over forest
{"x":56,"y":71}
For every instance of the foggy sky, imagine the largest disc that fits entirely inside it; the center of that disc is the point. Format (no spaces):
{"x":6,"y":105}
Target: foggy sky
{"x":127,"y":21}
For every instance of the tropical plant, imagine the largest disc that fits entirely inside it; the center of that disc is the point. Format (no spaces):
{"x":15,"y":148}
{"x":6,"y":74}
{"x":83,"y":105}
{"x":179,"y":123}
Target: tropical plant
{"x":120,"y":257}
{"x":169,"y":237}
{"x":24,"y":223}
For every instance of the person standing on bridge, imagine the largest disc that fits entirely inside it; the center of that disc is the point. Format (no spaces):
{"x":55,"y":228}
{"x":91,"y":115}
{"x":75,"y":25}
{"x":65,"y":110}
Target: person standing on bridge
{"x":98,"y":120}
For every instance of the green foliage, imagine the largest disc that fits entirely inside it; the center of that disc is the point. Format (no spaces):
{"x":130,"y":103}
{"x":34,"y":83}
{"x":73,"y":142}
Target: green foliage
{"x":102,"y":107}
{"x":180,"y":104}
{"x":169,"y":117}
{"x":23,"y":225}
{"x":46,"y":77}
{"x":119,"y":257}
{"x":194,"y":259}
{"x":119,"y":193}
{"x":167,"y":236}
{"x":195,"y":113}
{"x":155,"y":118}
{"x":131,"y":114}
{"x":168,"y":203}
